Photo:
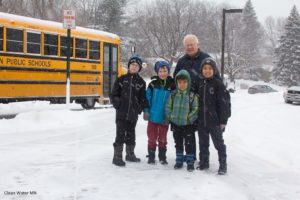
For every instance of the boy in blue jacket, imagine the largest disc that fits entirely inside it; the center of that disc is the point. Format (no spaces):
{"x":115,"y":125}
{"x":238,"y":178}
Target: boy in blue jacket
{"x":157,"y":94}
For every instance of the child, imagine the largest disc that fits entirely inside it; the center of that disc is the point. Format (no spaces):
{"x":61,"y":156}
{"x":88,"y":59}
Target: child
{"x":128,"y":98}
{"x":213,"y":114}
{"x":157,"y":94}
{"x":182,"y":110}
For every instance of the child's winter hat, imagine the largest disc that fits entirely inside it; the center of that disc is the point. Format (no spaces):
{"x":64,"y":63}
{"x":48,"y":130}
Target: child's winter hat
{"x":136,"y":59}
{"x":161,"y":63}
{"x":210,"y":61}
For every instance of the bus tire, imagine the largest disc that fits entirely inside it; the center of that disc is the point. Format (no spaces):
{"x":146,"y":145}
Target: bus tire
{"x":88,"y":103}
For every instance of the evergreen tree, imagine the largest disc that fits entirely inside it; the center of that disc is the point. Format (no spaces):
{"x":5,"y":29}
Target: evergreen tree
{"x":287,"y":54}
{"x":250,"y":39}
{"x":109,"y":15}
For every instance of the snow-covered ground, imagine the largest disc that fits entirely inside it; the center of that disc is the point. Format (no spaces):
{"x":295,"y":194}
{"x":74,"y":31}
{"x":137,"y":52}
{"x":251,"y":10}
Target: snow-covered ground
{"x":61,"y":154}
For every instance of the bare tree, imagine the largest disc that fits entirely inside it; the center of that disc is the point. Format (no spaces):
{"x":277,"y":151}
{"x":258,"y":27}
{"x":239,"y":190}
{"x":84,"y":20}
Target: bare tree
{"x":162,"y":26}
{"x":14,"y":7}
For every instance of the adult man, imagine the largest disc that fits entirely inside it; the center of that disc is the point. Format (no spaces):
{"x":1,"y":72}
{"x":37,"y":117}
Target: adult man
{"x":192,"y":59}
{"x":191,"y":62}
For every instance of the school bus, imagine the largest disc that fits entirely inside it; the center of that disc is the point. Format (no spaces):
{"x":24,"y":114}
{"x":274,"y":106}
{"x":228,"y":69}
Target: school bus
{"x":33,"y":62}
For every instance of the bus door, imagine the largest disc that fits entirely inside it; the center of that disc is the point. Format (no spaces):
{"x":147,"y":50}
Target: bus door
{"x":110,"y":71}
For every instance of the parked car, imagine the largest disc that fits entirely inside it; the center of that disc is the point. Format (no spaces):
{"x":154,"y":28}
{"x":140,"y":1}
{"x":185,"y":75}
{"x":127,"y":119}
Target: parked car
{"x":292,"y":94}
{"x":260,"y":89}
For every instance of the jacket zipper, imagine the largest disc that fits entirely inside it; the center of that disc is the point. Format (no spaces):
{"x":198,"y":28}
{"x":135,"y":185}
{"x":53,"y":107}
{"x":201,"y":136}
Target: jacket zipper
{"x":130,"y":91}
{"x":180,"y":103}
{"x":204,"y":103}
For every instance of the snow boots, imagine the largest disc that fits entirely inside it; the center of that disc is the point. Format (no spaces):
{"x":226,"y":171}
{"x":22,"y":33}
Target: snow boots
{"x":162,"y":156}
{"x":118,"y":160}
{"x":203,"y":163}
{"x":179,"y":160}
{"x":130,"y":156}
{"x":190,"y":158}
{"x":151,"y":155}
{"x":223,"y":166}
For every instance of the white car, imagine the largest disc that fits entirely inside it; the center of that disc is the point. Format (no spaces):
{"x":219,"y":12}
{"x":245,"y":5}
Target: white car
{"x":292,"y":94}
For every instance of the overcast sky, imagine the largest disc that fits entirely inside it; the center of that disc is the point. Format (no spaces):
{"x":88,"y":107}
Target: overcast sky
{"x":265,"y":8}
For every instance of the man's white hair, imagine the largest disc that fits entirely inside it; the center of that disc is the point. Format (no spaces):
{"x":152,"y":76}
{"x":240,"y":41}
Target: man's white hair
{"x":190,"y":36}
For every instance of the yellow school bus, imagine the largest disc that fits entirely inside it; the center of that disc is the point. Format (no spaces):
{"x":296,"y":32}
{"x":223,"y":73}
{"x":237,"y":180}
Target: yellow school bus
{"x":33,"y":62}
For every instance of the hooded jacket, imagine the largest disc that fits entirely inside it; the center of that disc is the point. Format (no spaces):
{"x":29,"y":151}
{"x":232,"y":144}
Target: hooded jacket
{"x":212,"y":99}
{"x":157,"y":95}
{"x":182,"y":106}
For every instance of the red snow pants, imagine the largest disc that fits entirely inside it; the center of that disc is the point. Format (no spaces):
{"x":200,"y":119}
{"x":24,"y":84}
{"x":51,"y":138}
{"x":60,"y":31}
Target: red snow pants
{"x":157,"y":133}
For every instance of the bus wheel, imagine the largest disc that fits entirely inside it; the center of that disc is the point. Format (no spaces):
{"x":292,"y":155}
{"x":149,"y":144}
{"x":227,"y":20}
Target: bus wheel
{"x":88,"y":104}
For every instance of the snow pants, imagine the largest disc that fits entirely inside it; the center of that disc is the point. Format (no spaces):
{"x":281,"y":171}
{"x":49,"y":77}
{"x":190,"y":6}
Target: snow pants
{"x":184,"y":137}
{"x":125,"y":132}
{"x":157,"y":133}
{"x":217,"y":137}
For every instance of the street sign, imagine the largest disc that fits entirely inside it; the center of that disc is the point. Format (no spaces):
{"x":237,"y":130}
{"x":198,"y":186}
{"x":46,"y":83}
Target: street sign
{"x":68,"y":23}
{"x":69,"y":19}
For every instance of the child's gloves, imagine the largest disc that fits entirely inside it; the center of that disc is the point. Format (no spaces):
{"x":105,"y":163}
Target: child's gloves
{"x":222,"y":127}
{"x":146,"y":116}
{"x":166,"y":122}
{"x":116,"y":102}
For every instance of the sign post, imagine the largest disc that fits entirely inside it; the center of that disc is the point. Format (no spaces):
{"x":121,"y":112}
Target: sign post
{"x":68,"y":23}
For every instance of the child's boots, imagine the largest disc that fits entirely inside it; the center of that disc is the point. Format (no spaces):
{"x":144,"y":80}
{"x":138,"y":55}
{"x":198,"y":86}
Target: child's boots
{"x":130,"y":156}
{"x":179,"y":160}
{"x":203,"y":163}
{"x":151,"y":155}
{"x":223,"y":166}
{"x":162,"y":156}
{"x":190,"y":159}
{"x":118,"y":160}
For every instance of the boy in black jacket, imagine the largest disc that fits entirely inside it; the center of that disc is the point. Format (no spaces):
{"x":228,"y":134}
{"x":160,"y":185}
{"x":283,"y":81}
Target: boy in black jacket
{"x":213,"y":114}
{"x":128,"y":98}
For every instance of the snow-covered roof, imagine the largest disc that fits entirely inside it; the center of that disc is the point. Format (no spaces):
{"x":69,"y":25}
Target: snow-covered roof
{"x":52,"y":24}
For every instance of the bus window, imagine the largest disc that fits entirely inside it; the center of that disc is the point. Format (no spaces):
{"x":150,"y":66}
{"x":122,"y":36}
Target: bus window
{"x":1,"y":38}
{"x":50,"y":44}
{"x":81,"y":45}
{"x":63,"y":46}
{"x":14,"y":40}
{"x":95,"y":50}
{"x":33,"y":43}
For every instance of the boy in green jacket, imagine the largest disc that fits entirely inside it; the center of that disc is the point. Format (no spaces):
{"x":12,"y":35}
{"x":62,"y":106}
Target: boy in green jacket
{"x":182,"y":111}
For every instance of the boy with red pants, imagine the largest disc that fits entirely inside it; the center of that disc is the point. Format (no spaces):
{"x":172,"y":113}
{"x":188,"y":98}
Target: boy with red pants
{"x":157,"y":94}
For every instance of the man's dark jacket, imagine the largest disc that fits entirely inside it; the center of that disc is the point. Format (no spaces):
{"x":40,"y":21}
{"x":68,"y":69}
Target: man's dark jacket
{"x":192,"y":65}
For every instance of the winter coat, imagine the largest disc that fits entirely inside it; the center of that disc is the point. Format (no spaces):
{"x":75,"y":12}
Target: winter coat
{"x":128,"y":97}
{"x":192,"y":65}
{"x":157,"y":95}
{"x":182,"y":106}
{"x":213,"y":100}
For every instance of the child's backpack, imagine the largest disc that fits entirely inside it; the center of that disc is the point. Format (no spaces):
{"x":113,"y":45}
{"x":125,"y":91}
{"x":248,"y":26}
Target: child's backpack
{"x":228,"y":103}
